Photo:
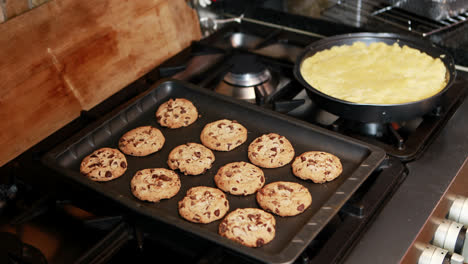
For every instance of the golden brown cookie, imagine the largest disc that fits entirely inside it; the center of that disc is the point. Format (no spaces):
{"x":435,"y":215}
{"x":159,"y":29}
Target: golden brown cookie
{"x":155,"y":184}
{"x":104,"y":164}
{"x":191,"y":159}
{"x":176,"y":113}
{"x":239,"y":178}
{"x":250,"y":227}
{"x":141,"y":141}
{"x":203,"y":205}
{"x":270,"y":151}
{"x":223,"y":135}
{"x":317,"y":166}
{"x":284,"y":198}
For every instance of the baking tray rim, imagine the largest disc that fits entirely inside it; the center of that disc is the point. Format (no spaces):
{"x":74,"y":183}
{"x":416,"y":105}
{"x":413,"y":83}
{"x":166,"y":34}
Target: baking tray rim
{"x":302,"y":238}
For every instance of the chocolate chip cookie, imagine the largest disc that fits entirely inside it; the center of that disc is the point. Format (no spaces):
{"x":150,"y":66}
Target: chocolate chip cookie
{"x":141,"y":141}
{"x":223,"y":135}
{"x":270,"y":151}
{"x":155,"y":184}
{"x":251,"y":227}
{"x":176,"y":113}
{"x":191,"y":159}
{"x":284,"y":198}
{"x":239,"y":178}
{"x":104,"y":164}
{"x":318,"y":166}
{"x":203,"y":205}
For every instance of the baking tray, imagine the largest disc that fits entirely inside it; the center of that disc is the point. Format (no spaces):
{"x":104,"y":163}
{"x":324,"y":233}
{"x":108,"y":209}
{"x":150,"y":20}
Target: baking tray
{"x":293,"y":233}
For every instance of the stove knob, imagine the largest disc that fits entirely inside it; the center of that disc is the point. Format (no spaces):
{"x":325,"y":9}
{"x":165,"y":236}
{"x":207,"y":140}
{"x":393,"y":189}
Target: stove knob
{"x":451,"y":236}
{"x":436,"y":255}
{"x":459,"y":210}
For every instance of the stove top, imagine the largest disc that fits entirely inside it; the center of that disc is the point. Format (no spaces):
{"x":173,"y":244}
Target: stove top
{"x":277,"y":50}
{"x":68,"y":223}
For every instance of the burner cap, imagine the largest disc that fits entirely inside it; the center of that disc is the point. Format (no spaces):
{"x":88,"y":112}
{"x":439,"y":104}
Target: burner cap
{"x":247,"y":70}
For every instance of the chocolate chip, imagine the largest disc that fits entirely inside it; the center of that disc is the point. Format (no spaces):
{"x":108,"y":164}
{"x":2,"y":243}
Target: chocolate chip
{"x":260,"y":242}
{"x":303,"y":158}
{"x":176,"y":116}
{"x":259,"y":140}
{"x":238,"y":142}
{"x":300,"y":208}
{"x":262,"y":179}
{"x":255,"y":154}
{"x":123,"y":164}
{"x":197,"y":154}
{"x":182,"y":110}
{"x":216,"y":212}
{"x":284,"y":187}
{"x":231,"y":127}
{"x":164,"y":177}
{"x":110,"y":156}
{"x":274,"y":149}
{"x":281,"y":141}
{"x":108,"y":174}
{"x":229,"y":146}
{"x":221,"y":124}
{"x":269,"y":229}
{"x":93,"y":156}
{"x":222,"y":227}
{"x":94,"y":165}
{"x":192,"y":197}
{"x":234,"y":189}
{"x":228,"y":174}
{"x":210,"y":134}
{"x":218,"y":144}
{"x":158,"y":118}
{"x":225,"y":203}
{"x":259,"y":148}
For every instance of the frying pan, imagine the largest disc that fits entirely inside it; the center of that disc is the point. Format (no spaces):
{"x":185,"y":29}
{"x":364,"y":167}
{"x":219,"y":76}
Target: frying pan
{"x":375,"y":113}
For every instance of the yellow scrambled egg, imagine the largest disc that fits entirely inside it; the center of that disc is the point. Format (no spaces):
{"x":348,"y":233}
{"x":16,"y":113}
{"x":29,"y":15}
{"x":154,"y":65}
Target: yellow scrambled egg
{"x":375,"y":74}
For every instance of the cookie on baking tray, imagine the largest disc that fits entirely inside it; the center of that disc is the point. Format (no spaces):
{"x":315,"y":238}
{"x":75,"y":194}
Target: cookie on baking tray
{"x":155,"y":184}
{"x":318,"y":166}
{"x":104,"y":164}
{"x":191,"y":158}
{"x":270,"y":151}
{"x":223,"y":135}
{"x":203,"y":205}
{"x":284,"y":198}
{"x":239,"y":178}
{"x":176,"y":113}
{"x":141,"y":141}
{"x":251,"y":227}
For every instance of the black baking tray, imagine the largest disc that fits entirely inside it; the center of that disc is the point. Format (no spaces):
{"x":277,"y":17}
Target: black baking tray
{"x":293,"y":233}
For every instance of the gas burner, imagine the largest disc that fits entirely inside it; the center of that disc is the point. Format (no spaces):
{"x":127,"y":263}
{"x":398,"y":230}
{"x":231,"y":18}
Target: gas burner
{"x":248,"y":79}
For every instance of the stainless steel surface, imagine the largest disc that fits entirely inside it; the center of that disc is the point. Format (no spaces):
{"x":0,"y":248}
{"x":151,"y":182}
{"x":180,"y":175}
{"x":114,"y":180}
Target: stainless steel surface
{"x":398,"y":224}
{"x":247,"y":92}
{"x":263,"y":23}
{"x":361,"y":12}
{"x":247,"y":79}
{"x":433,"y":9}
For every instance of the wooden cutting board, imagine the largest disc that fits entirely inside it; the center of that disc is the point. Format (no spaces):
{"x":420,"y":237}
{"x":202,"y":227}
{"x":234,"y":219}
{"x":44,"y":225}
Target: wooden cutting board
{"x":69,"y":55}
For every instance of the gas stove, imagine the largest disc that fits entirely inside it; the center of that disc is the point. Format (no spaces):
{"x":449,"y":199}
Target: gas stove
{"x":248,"y":61}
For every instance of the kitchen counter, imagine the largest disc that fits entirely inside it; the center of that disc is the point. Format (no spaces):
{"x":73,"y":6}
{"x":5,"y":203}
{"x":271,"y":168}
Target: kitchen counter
{"x":398,"y":224}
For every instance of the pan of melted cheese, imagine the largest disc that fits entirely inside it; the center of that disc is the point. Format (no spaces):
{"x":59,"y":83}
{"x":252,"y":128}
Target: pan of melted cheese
{"x":377,"y":74}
